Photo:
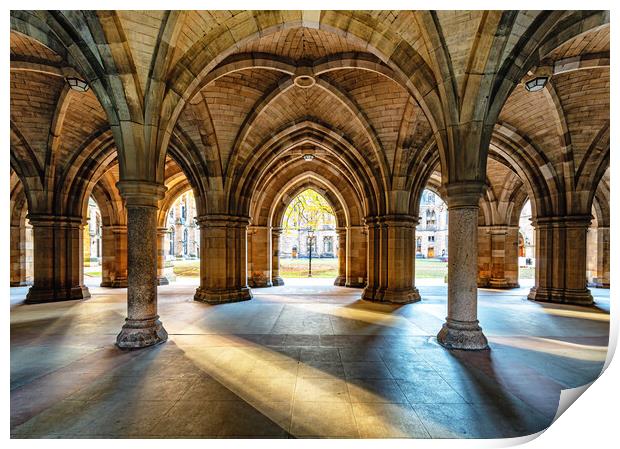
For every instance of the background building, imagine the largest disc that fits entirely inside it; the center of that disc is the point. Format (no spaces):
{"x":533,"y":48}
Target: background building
{"x":432,"y":230}
{"x":92,"y":235}
{"x":183,"y":237}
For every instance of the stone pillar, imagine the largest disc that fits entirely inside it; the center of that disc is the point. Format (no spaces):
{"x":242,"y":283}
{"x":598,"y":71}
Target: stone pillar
{"x":603,"y":252}
{"x":223,"y":259}
{"x":58,"y":259}
{"x":391,"y":259}
{"x":142,"y":326}
{"x":114,"y":257}
{"x":498,"y":264}
{"x":461,"y":329}
{"x":18,"y":256}
{"x":276,"y":279}
{"x":484,"y":256}
{"x":161,"y":256}
{"x":259,"y":255}
{"x":341,"y":279}
{"x":357,"y":243}
{"x":561,"y":260}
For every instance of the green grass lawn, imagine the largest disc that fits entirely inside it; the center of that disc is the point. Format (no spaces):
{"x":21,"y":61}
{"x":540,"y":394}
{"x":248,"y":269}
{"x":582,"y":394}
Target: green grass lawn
{"x":298,"y":268}
{"x":186,"y":267}
{"x":328,"y":268}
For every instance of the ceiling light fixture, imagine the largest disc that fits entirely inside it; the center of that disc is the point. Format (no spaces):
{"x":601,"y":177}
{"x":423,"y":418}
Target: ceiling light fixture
{"x":308,"y":157}
{"x":77,"y":84}
{"x":536,"y":84}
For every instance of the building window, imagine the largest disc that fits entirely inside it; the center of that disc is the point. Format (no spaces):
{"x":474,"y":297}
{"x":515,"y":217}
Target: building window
{"x":328,"y":244}
{"x":172,"y":236}
{"x":185,"y":241}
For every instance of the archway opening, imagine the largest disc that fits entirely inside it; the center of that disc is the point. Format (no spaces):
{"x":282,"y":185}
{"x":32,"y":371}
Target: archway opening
{"x":527,"y":246}
{"x":92,"y":241}
{"x":182,"y":239}
{"x":309,"y":243}
{"x":431,"y":244}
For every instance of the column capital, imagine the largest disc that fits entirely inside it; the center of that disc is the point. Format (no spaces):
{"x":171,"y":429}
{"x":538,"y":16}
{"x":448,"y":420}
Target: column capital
{"x":120,"y":229}
{"x":223,"y":221}
{"x":394,"y":220}
{"x":562,"y":221}
{"x":277,"y":230}
{"x":141,"y":193}
{"x":45,"y":220}
{"x":464,"y":193}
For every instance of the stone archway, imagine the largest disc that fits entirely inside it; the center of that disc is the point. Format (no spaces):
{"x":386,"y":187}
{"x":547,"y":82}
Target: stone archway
{"x":267,"y":212}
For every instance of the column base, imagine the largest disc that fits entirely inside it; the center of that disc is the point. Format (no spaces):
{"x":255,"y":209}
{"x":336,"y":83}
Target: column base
{"x":356,"y":284}
{"x":222,"y":296}
{"x":260,"y":282}
{"x":39,"y":296}
{"x":277,"y":281}
{"x":162,"y":280}
{"x":340,"y":281}
{"x":581,"y":297}
{"x":116,"y":283}
{"x":501,"y":283}
{"x":465,"y":335}
{"x":137,"y":334}
{"x":405,"y":296}
{"x":21,"y":284}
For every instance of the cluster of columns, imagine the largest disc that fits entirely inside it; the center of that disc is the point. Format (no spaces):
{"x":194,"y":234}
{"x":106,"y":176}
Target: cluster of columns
{"x":561,"y":259}
{"x":58,"y":272}
{"x":223,"y":254}
{"x":391,"y":259}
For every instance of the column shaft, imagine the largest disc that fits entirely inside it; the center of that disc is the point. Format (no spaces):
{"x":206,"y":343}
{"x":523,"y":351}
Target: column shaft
{"x":18,"y":256}
{"x":259,"y":256}
{"x":357,"y":244}
{"x":276,"y":279}
{"x":142,"y":326}
{"x":161,"y":256}
{"x":114,"y":257}
{"x":461,"y":329}
{"x":341,"y":279}
{"x":603,"y":252}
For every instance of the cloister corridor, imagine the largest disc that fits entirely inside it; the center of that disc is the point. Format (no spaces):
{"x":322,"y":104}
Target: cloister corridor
{"x":300,"y":360}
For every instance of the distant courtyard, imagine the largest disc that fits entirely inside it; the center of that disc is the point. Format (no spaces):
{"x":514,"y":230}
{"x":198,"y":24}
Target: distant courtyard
{"x":321,"y":268}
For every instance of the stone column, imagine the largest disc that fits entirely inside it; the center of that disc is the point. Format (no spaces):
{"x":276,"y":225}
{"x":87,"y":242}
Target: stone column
{"x":276,"y":279}
{"x":18,"y":256}
{"x":142,"y":326}
{"x":357,"y":254}
{"x":114,"y":257}
{"x":603,"y":252}
{"x":223,"y":259}
{"x":561,"y":260}
{"x":484,"y":256}
{"x":341,"y":279}
{"x":391,"y":259}
{"x":161,"y":256}
{"x":504,"y":256}
{"x":461,"y":329}
{"x":58,"y":259}
{"x":259,"y":255}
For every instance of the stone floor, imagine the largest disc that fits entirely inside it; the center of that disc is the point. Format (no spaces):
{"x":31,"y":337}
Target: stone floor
{"x":302,"y":360}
